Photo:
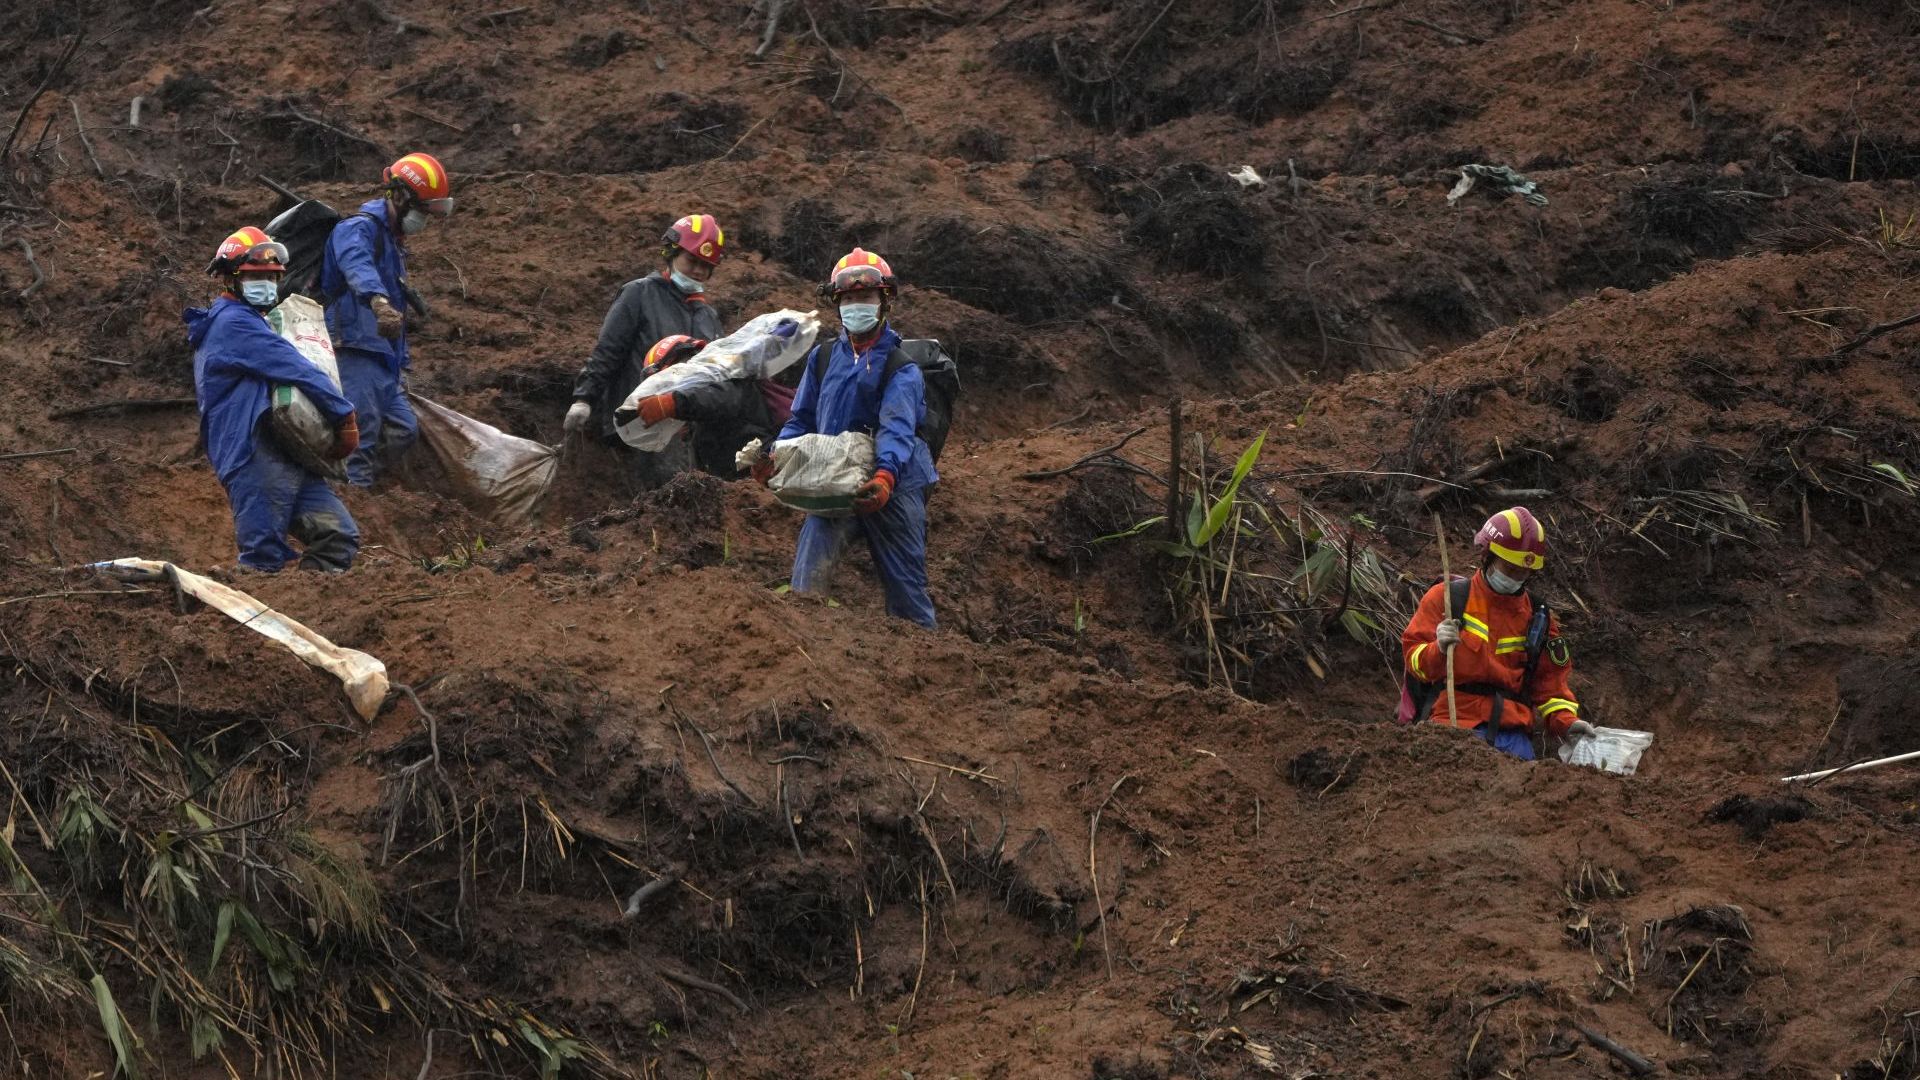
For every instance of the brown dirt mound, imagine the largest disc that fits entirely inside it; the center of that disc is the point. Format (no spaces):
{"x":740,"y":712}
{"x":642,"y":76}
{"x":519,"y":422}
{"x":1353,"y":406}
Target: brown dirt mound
{"x":1079,"y":831}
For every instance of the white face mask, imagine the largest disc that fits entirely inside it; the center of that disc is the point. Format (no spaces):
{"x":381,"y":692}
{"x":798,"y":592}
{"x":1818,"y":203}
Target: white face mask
{"x":260,"y":294}
{"x":1503,"y":584}
{"x":686,"y":284}
{"x":413,"y":221}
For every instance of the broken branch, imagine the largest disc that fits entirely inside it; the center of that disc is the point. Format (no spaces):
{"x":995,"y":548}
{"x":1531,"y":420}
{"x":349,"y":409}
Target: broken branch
{"x":80,"y":129}
{"x":775,"y":9}
{"x":1877,"y":331}
{"x":53,"y":73}
{"x":648,"y":891}
{"x":1048,"y":473}
{"x":39,"y":453}
{"x":39,"y":277}
{"x":1636,"y":1062}
{"x":129,"y":403}
{"x":400,"y":25}
{"x":1093,"y":868}
{"x":291,"y":113}
{"x":697,"y":983}
{"x":1448,"y":32}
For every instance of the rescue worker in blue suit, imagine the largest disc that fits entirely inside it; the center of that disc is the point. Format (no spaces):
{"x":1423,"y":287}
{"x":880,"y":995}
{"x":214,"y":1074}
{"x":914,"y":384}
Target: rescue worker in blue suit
{"x":849,"y":390}
{"x":364,"y":276}
{"x":237,"y":360}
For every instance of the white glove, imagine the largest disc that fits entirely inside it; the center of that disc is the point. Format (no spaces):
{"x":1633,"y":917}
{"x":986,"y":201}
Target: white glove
{"x":1447,"y":633}
{"x":576,"y":421}
{"x":1579,"y":729}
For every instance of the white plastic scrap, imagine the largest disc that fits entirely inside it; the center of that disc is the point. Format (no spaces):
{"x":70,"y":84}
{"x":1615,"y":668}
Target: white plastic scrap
{"x":1247,"y":176}
{"x":1500,"y":177}
{"x":364,"y":677}
{"x":1609,"y":749}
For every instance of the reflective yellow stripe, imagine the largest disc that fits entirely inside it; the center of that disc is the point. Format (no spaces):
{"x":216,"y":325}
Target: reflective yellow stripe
{"x":1502,"y":650}
{"x":1476,"y":626}
{"x":1559,"y":704}
{"x":1413,"y":662}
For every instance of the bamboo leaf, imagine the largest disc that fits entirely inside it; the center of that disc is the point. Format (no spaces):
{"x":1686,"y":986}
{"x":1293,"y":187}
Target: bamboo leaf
{"x":1132,"y":530}
{"x":222,"y":930}
{"x":1222,"y":510}
{"x":116,"y":1028}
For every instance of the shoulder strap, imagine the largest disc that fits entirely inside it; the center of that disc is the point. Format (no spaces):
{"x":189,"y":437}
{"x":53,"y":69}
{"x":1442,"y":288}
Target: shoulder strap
{"x":1459,"y":592}
{"x":379,"y":231}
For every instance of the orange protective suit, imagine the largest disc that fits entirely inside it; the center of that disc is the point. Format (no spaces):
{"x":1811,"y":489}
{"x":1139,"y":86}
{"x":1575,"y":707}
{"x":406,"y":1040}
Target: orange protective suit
{"x":1492,"y":653}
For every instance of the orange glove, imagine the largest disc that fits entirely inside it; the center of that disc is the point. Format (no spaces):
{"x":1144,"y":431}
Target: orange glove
{"x":873,"y":494}
{"x":346,"y":437}
{"x":763,"y":469}
{"x":655,"y":409}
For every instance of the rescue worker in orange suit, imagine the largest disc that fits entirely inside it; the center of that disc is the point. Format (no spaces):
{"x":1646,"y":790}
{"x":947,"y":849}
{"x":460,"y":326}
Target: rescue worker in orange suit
{"x":1497,"y":698}
{"x":671,"y":301}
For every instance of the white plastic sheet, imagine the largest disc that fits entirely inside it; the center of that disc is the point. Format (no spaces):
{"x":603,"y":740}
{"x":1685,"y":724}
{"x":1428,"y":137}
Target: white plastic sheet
{"x":818,"y":474}
{"x":364,"y":677}
{"x":298,"y":426}
{"x":502,"y":475}
{"x":760,"y":349}
{"x":1614,"y":750}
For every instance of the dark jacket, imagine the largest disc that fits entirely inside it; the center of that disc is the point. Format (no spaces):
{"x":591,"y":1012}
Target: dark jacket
{"x":365,"y":259}
{"x":646,"y":310}
{"x":726,"y":416}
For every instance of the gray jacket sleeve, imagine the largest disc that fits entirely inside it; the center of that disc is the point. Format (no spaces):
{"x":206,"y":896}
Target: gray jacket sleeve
{"x":616,"y":344}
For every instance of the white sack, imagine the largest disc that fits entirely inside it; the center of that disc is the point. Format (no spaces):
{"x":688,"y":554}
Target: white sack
{"x":818,"y":474}
{"x":1614,"y":750}
{"x":504,"y":475}
{"x":762,"y":348}
{"x":298,"y":427}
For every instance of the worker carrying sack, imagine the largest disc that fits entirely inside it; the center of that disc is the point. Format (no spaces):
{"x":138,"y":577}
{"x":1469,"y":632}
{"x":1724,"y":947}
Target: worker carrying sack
{"x":761,"y":349}
{"x":297,"y":427}
{"x":938,"y":373}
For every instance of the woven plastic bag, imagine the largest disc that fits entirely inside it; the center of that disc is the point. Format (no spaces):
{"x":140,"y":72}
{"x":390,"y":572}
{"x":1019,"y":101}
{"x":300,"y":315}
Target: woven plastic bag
{"x":298,"y":428}
{"x":818,"y":474}
{"x":502,"y":475}
{"x":760,"y":349}
{"x":1609,"y":749}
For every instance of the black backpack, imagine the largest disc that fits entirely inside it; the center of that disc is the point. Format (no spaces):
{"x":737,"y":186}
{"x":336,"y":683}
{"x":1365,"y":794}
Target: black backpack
{"x":940,"y":374}
{"x":304,"y":230}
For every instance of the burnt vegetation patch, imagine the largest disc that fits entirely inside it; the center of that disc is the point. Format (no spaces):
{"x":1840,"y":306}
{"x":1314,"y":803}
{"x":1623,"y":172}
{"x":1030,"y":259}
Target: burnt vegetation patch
{"x":1192,"y":218}
{"x":1756,"y":814}
{"x":673,"y":129}
{"x":1590,"y":392}
{"x":1021,"y":273}
{"x":1151,"y":62}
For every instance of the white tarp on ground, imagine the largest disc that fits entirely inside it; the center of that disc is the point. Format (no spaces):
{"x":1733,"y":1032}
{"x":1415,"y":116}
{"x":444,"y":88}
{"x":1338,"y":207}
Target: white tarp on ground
{"x":364,"y":677}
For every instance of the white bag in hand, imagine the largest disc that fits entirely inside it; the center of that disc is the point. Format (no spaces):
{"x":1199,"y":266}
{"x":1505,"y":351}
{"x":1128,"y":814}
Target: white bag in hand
{"x":818,"y":474}
{"x":761,"y":349}
{"x":1609,"y":749}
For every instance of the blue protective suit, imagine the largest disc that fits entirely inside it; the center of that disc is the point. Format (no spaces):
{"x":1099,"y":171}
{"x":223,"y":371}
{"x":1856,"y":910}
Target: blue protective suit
{"x":237,"y":359}
{"x":364,"y":259}
{"x":849,"y":392}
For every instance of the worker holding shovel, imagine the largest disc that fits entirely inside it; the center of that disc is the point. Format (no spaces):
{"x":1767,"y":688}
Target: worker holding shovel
{"x":1497,"y":650}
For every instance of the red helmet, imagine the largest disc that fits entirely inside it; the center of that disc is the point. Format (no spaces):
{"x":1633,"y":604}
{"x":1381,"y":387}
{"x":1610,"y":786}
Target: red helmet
{"x":1516,"y":536}
{"x":699,"y":235}
{"x":670,"y":350}
{"x":423,"y":177}
{"x":859,"y":269}
{"x":248,"y":249}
